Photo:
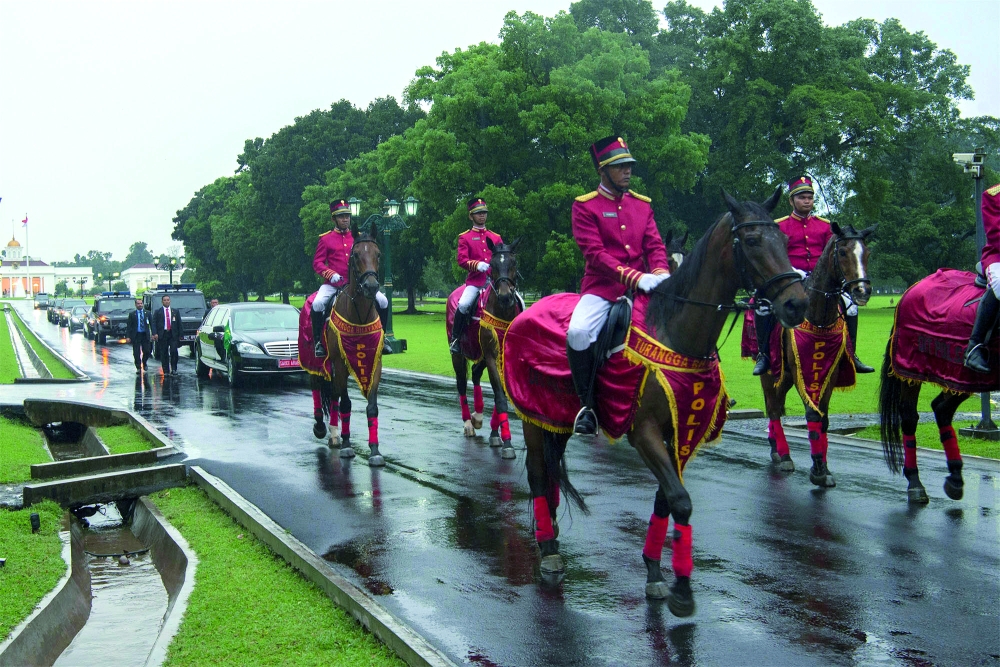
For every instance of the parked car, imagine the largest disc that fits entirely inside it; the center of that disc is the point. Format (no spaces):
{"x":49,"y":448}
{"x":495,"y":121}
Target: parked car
{"x":77,"y":317}
{"x":252,"y":338}
{"x":66,"y":308}
{"x":52,"y":310}
{"x":109,"y":316}
{"x":41,"y":301}
{"x":187,"y":299}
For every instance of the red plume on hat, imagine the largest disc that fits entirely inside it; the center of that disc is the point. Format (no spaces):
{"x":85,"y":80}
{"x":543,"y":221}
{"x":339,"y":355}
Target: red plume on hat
{"x":339,"y":206}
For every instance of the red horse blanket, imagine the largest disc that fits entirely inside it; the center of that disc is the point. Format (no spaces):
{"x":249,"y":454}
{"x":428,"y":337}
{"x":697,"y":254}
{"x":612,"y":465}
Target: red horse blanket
{"x":933,"y":322}
{"x":817,"y":353}
{"x":538,"y":382}
{"x":360,"y":347}
{"x":748,"y":345}
{"x":470,"y":339}
{"x":309,"y":361}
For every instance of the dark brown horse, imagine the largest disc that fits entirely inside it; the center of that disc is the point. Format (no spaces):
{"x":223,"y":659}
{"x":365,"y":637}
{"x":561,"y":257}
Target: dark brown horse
{"x":744,"y":248}
{"x":841,"y":269}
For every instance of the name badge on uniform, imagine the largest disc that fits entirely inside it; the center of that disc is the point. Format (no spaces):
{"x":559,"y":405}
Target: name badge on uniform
{"x":475,"y":238}
{"x":610,"y":214}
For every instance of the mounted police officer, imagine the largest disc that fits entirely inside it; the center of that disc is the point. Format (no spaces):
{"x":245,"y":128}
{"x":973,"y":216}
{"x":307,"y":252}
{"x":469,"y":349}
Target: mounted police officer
{"x":807,"y":235}
{"x":622,"y":249}
{"x":986,"y":316}
{"x":332,"y":262}
{"x":474,"y":256}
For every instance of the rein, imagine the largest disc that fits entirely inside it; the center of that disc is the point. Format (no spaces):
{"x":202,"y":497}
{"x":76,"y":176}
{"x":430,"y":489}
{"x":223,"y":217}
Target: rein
{"x":845,"y":285}
{"x":357,"y":278}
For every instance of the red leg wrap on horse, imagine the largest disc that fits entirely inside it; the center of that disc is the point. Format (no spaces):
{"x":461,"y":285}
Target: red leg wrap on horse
{"x":681,"y":560}
{"x":655,"y":537}
{"x":345,"y":417}
{"x":815,"y":437}
{"x":466,"y":415}
{"x":317,"y":401}
{"x":334,"y":412}
{"x":495,"y":419}
{"x":543,"y":520}
{"x":477,"y":398}
{"x":909,"y":451}
{"x":373,"y":429}
{"x":950,"y":444}
{"x":777,"y":433}
{"x":504,"y":427}
{"x":552,"y":494}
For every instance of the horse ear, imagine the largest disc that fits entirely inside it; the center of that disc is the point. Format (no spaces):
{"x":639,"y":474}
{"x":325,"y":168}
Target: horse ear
{"x":668,"y":237}
{"x":865,"y":233}
{"x":489,"y":244}
{"x":354,"y":231}
{"x":733,"y":205}
{"x":514,"y":244}
{"x":685,"y":239}
{"x":772,"y":201}
{"x":837,"y":231}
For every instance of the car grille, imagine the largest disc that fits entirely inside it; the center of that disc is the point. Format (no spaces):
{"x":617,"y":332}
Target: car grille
{"x":285,"y":348}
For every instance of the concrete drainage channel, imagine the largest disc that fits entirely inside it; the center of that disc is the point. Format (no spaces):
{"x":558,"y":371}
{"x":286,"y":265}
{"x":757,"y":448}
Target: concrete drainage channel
{"x":140,"y":599}
{"x":30,"y":365}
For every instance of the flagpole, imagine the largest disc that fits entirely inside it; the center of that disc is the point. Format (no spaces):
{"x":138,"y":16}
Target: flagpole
{"x":28,"y":251}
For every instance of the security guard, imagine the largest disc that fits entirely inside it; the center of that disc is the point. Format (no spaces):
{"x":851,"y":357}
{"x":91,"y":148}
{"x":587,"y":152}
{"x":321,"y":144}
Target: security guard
{"x":474,"y":256}
{"x":332,"y":263}
{"x":807,"y":235}
{"x":989,"y":305}
{"x":622,"y":249}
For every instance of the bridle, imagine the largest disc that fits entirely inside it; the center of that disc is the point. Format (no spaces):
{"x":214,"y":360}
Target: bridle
{"x":358,"y":277}
{"x":511,"y":282}
{"x":844,"y":285}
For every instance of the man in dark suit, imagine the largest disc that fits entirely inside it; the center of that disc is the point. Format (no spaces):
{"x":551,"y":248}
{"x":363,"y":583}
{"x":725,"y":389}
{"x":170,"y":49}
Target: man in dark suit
{"x":167,"y":334}
{"x":139,"y":332}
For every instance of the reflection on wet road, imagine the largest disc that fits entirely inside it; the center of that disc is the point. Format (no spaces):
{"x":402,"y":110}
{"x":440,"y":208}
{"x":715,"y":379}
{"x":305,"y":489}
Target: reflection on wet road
{"x":784,"y":573}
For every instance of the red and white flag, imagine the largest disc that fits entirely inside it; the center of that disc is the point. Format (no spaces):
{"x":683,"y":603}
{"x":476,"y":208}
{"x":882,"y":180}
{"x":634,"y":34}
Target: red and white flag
{"x":24,"y":223}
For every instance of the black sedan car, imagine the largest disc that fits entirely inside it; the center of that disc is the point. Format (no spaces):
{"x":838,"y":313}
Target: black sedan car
{"x":66,"y":308}
{"x":242,"y":339}
{"x":77,"y":317}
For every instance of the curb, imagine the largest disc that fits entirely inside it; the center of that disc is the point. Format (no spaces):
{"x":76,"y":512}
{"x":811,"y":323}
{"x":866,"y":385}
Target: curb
{"x":37,"y":362}
{"x":405,"y":642}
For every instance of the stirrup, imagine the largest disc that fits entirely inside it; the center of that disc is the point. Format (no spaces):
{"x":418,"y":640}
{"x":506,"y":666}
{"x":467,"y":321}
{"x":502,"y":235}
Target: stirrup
{"x":585,"y":422}
{"x":860,"y":366}
{"x":763,"y":364}
{"x":980,"y":364}
{"x":319,"y":349}
{"x":455,"y":346}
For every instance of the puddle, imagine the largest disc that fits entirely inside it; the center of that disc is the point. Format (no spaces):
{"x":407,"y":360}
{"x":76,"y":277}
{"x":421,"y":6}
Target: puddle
{"x":65,"y":440}
{"x":129,"y":601}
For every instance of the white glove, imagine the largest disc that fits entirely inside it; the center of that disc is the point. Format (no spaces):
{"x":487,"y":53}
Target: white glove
{"x":482,"y":267}
{"x":648,"y":281}
{"x":801,"y":273}
{"x":993,"y":277}
{"x":660,"y":277}
{"x":335,"y":278}
{"x":381,"y":300}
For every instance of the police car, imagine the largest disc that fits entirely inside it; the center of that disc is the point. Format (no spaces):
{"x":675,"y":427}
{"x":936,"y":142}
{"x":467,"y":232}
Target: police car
{"x":108,"y":318}
{"x":187,"y":300}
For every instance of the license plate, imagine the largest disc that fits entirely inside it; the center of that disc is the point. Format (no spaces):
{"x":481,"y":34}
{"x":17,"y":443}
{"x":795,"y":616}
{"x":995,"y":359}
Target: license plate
{"x":187,"y":338}
{"x":288,"y":363}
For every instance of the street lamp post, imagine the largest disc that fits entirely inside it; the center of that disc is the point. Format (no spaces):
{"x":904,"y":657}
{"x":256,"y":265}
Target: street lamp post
{"x":386,"y":223}
{"x":81,"y":282}
{"x":165,"y":262}
{"x":110,"y":277}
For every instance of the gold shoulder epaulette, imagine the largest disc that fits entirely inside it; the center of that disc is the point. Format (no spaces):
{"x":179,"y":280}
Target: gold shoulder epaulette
{"x":994,"y":191}
{"x":640,"y":197}
{"x":822,"y":219}
{"x":588,"y":196}
{"x":465,"y":232}
{"x":783,"y":219}
{"x":325,"y":233}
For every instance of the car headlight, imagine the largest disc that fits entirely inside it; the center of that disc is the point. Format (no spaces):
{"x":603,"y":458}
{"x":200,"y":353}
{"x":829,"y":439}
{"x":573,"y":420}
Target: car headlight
{"x":247,"y":348}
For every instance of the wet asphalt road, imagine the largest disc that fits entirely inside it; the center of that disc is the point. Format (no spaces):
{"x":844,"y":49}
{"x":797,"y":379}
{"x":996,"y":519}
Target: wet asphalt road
{"x":785,"y":574}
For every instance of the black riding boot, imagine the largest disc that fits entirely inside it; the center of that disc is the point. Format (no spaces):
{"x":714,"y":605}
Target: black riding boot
{"x":318,"y":322}
{"x":383,"y":315}
{"x":458,"y":329}
{"x":976,"y":357}
{"x":583,"y":367}
{"x":763,"y":324}
{"x":852,"y":331}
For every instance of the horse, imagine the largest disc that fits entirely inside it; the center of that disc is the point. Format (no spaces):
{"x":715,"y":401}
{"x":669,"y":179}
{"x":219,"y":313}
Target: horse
{"x":842,"y":268}
{"x":499,"y":304}
{"x":933,"y":321}
{"x":684,"y":318}
{"x":675,"y":250}
{"x":353,"y":339}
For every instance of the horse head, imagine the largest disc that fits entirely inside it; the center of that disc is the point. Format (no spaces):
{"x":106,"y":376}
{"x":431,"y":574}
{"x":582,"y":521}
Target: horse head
{"x":503,"y":271}
{"x":851,"y":261}
{"x":675,"y":250}
{"x":364,"y":263}
{"x":760,"y":256}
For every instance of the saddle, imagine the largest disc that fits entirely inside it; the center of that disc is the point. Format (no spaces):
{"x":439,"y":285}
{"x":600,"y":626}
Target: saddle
{"x":612,"y":337}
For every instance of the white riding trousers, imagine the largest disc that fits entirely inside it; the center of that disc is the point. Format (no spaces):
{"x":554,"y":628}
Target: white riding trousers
{"x":588,"y":319}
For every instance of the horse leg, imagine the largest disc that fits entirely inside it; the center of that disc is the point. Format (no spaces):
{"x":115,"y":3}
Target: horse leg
{"x":908,"y":417}
{"x":477,"y":394}
{"x":500,"y":409}
{"x":334,"y":408}
{"x":375,"y":459}
{"x":538,"y":482}
{"x":461,"y":382}
{"x":944,"y":407}
{"x":319,"y":428}
{"x":652,"y":552}
{"x":774,"y":404}
{"x":819,"y":474}
{"x":346,"y":450}
{"x":495,"y":440}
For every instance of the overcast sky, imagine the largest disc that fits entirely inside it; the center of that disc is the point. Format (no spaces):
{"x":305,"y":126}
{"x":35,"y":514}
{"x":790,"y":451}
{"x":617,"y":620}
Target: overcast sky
{"x":112,"y":114}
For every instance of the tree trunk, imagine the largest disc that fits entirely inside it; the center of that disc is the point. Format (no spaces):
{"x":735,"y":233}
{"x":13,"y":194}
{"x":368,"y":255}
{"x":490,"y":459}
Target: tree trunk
{"x":260,"y":297}
{"x":411,"y":301}
{"x":284,"y":297}
{"x":246,"y":296}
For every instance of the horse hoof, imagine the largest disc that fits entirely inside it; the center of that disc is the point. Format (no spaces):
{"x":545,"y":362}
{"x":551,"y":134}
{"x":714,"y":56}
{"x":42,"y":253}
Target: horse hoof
{"x":917,"y":496}
{"x":823,"y":481}
{"x":347,"y":452}
{"x":954,"y":490}
{"x":775,"y":457}
{"x":376,"y":461}
{"x":319,"y":430}
{"x":786,"y":464}
{"x":507,"y":451}
{"x":680,"y":606}
{"x":657,"y":590}
{"x":552,"y":564}
{"x":477,"y":420}
{"x":468,"y":430}
{"x":495,"y":441}
{"x":335,"y":442}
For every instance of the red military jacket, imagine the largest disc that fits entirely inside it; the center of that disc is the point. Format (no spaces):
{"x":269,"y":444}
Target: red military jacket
{"x":991,"y":225}
{"x":472,"y":249}
{"x":333,"y":255}
{"x":619,"y":241}
{"x":806,"y":239}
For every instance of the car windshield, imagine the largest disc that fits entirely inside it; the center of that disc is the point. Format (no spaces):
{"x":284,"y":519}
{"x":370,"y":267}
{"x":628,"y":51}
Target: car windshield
{"x":184,"y":300}
{"x":67,"y":304}
{"x":109,"y":305}
{"x":266,"y":319}
{"x":79,"y":310}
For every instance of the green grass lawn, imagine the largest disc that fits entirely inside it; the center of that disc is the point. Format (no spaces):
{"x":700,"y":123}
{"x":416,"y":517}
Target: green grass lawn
{"x":249,"y":607}
{"x":34,"y":561}
{"x":21,"y":445}
{"x":927,"y":436}
{"x":51,"y":361}
{"x":124,"y":439}
{"x":8,"y":360}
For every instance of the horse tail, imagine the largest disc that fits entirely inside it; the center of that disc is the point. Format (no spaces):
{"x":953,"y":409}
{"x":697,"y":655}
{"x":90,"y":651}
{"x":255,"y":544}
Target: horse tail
{"x":889,"y":400}
{"x":555,"y":468}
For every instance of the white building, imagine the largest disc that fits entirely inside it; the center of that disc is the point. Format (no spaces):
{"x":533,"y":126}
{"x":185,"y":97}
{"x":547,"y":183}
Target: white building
{"x":144,"y":276}
{"x":14,"y":273}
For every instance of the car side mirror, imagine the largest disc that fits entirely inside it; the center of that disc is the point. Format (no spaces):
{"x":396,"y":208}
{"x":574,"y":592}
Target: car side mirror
{"x":218,"y":328}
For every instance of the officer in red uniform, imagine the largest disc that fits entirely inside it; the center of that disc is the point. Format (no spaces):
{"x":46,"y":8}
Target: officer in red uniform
{"x":474,"y":256}
{"x":332,"y":262}
{"x":807,"y":235}
{"x":989,"y":305}
{"x":622,"y":249}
